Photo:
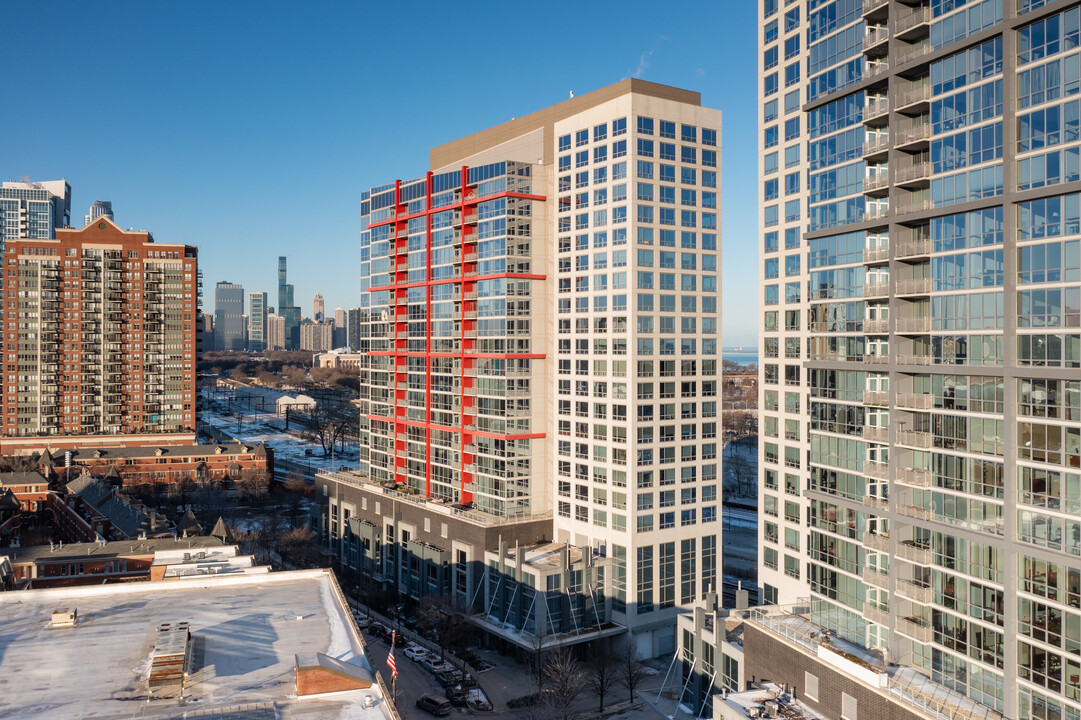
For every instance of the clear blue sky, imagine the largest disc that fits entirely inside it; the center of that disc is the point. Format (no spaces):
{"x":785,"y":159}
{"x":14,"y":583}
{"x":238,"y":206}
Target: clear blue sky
{"x":249,"y":129}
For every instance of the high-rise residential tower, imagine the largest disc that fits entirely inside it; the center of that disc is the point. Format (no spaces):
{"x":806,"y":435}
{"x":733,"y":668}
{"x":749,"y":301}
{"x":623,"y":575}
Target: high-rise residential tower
{"x":230,"y":331}
{"x":286,"y":309}
{"x":318,"y":308}
{"x":99,"y":208}
{"x":34,"y":209}
{"x":257,"y":321}
{"x":540,"y":324}
{"x":921,"y":432}
{"x":101,"y":337}
{"x":354,"y":329}
{"x":275,"y":332}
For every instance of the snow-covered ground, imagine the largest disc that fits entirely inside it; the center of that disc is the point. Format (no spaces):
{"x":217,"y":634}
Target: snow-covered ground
{"x":270,"y":429}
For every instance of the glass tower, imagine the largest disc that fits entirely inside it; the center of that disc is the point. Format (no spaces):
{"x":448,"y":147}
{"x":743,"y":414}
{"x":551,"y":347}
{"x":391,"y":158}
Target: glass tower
{"x":921,"y":392}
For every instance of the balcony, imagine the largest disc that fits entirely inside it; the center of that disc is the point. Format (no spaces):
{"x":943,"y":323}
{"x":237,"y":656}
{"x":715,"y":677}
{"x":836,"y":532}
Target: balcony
{"x":872,"y":6}
{"x":874,"y":577}
{"x":876,"y":70}
{"x":915,"y":629}
{"x":910,"y":325}
{"x":876,"y":183}
{"x":875,"y":36}
{"x":876,"y":255}
{"x":913,"y":135}
{"x":870,"y":359}
{"x":913,"y":511}
{"x":915,"y":477}
{"x":875,"y":109}
{"x":913,"y":249}
{"x":917,"y":96}
{"x":913,"y":174}
{"x":876,"y":470}
{"x":915,"y":439}
{"x":915,"y":286}
{"x":915,"y":592}
{"x":876,"y":503}
{"x":876,"y":145}
{"x":913,"y":552}
{"x":875,"y":327}
{"x":876,"y":290}
{"x":876,"y":212}
{"x":914,"y":360}
{"x":914,"y":401}
{"x":912,"y":53}
{"x":903,"y":23}
{"x":913,"y":207}
{"x":875,"y":614}
{"x":876,"y":434}
{"x":875,"y":398}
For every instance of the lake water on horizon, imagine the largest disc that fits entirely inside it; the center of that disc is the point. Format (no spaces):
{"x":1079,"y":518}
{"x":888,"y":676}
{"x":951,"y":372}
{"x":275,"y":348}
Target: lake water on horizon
{"x":742,"y":357}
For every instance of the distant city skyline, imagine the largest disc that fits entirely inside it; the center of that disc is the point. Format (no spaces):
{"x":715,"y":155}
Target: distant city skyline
{"x":254,"y":153}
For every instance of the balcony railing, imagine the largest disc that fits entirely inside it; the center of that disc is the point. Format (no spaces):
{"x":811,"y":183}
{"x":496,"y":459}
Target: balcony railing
{"x":915,"y":286}
{"x":914,"y":591}
{"x":875,"y":398}
{"x":875,"y":35}
{"x":914,"y":360}
{"x":876,"y":503}
{"x":915,"y":438}
{"x":919,"y":206}
{"x":877,"y":470}
{"x":914,"y":401}
{"x":870,"y":6}
{"x":913,"y":96}
{"x":915,"y":477}
{"x":876,"y":327}
{"x":876,"y":434}
{"x":876,"y":289}
{"x":874,"y":577}
{"x":914,"y":553}
{"x":915,"y":629}
{"x":910,"y":20}
{"x":913,"y":172}
{"x":914,"y":511}
{"x":877,"y":143}
{"x":915,"y":133}
{"x":875,"y":182}
{"x":913,"y":248}
{"x":876,"y":254}
{"x":913,"y":53}
{"x":876,"y":108}
{"x":914,"y":325}
{"x":875,"y":614}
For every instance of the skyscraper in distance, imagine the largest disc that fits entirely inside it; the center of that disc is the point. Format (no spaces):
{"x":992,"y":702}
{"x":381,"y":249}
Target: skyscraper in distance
{"x":318,"y":308}
{"x":34,"y":209}
{"x":230,"y":332}
{"x":286,"y":309}
{"x":257,"y":321}
{"x":919,"y":219}
{"x":99,"y":208}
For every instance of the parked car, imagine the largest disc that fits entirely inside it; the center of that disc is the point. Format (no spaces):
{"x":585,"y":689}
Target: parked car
{"x":435,"y":705}
{"x":434,"y":665}
{"x":457,"y":696}
{"x":449,"y":678}
{"x":415,"y":653}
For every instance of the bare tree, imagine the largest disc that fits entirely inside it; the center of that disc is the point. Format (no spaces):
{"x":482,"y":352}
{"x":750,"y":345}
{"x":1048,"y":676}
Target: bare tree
{"x":631,"y":670}
{"x":603,"y":673}
{"x":565,"y":679}
{"x":444,"y":618}
{"x":253,"y":482}
{"x":296,"y":545}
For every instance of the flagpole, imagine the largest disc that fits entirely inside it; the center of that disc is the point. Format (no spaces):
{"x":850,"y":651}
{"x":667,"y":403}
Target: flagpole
{"x":393,"y":671}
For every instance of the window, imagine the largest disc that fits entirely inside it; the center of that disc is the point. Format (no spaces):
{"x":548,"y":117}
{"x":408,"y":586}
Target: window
{"x":810,"y":686}
{"x":619,"y":127}
{"x":848,"y":707}
{"x":645,"y":125}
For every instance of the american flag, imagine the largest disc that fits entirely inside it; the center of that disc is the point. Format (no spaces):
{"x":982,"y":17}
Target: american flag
{"x":390,"y":658}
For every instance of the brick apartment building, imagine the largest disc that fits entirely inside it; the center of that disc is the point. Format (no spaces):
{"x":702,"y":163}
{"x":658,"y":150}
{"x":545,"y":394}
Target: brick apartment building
{"x":99,"y":339}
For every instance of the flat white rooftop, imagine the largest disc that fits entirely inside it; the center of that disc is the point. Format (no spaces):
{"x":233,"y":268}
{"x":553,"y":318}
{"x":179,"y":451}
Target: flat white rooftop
{"x":246,"y":633}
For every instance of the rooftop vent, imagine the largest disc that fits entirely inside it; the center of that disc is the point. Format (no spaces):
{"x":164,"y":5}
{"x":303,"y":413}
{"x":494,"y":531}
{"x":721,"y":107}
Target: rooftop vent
{"x":64,"y":617}
{"x":169,"y":660}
